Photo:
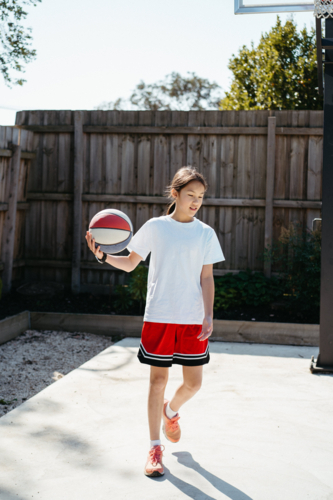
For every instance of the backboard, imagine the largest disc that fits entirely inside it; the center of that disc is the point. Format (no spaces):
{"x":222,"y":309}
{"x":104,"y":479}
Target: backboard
{"x":267,"y":6}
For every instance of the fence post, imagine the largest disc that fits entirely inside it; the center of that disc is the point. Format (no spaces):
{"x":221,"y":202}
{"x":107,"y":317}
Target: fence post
{"x":10,"y":218}
{"x":77,"y":201}
{"x":270,"y":170}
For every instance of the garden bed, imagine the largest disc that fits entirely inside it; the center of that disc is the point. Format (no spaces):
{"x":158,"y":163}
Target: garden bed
{"x":120,"y":326}
{"x":35,"y":359}
{"x":66,"y":302}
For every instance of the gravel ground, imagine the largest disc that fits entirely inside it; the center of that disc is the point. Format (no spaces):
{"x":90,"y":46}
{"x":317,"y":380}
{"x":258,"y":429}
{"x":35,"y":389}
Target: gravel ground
{"x":36,"y":359}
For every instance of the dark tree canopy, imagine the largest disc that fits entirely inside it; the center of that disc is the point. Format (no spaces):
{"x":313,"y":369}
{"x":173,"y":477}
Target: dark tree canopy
{"x":175,"y":92}
{"x":280,"y":73}
{"x":15,"y":39}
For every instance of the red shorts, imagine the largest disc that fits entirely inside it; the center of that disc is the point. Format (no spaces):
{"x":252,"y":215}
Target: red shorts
{"x":164,"y":344}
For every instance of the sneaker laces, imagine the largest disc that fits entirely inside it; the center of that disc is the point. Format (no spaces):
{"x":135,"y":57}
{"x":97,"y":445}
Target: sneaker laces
{"x":173,"y":423}
{"x":155,"y":454}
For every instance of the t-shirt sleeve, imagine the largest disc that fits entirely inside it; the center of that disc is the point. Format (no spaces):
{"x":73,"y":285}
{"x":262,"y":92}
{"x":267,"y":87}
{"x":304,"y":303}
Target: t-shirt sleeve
{"x":213,"y":252}
{"x":141,"y":241}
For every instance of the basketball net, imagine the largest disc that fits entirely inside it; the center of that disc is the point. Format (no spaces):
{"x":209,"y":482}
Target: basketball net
{"x":323,"y":8}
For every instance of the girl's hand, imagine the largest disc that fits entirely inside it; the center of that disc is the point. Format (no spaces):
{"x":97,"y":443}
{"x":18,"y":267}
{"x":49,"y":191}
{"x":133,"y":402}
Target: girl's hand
{"x":91,"y":245}
{"x":207,"y":328}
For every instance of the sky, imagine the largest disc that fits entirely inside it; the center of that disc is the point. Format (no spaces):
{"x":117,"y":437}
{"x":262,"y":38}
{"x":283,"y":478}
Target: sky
{"x":91,"y":52}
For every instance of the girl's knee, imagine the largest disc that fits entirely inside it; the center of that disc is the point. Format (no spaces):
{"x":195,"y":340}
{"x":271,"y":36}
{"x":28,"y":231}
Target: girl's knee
{"x":158,"y":382}
{"x":193,"y":385}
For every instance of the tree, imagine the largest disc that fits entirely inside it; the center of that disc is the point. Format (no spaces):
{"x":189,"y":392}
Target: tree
{"x":280,"y":73}
{"x":175,"y":92}
{"x":15,"y":39}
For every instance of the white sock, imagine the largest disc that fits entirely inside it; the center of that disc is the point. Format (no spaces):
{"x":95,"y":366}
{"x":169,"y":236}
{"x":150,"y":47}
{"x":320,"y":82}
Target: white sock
{"x":169,"y":411}
{"x":157,"y":442}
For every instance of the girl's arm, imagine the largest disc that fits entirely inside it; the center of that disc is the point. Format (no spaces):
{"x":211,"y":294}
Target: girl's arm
{"x":208,"y":288}
{"x":125,"y":262}
{"x":208,"y":291}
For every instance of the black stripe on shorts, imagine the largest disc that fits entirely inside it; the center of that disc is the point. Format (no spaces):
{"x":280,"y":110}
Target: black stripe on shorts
{"x":191,"y":359}
{"x":176,"y":358}
{"x":154,"y":359}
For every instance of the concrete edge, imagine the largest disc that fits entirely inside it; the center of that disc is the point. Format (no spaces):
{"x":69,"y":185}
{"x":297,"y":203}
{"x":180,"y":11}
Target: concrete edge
{"x":131,"y":326}
{"x":12,"y":326}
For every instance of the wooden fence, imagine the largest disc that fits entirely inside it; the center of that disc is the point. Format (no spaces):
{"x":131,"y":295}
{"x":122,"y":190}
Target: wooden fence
{"x":15,"y":158}
{"x":263,"y":170}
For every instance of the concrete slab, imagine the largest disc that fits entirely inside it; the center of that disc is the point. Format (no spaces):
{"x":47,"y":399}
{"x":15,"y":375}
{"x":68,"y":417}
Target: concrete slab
{"x":260,"y":429}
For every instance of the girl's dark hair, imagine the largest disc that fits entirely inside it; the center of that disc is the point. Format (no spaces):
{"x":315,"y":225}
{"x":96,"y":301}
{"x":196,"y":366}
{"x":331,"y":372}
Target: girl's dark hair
{"x":181,"y":178}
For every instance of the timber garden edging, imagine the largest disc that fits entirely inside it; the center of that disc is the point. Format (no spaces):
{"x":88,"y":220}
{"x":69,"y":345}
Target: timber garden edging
{"x":130,"y":326}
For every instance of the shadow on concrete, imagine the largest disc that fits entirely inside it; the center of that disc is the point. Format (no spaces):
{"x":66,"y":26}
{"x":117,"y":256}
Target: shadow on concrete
{"x":5,"y":494}
{"x":244,"y":348}
{"x":60,"y":445}
{"x":185,"y":458}
{"x":108,"y":352}
{"x":191,"y":491}
{"x":44,"y":406}
{"x":62,"y":440}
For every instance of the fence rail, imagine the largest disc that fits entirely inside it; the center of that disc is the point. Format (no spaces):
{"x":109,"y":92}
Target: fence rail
{"x":107,"y":129}
{"x":263,"y":169}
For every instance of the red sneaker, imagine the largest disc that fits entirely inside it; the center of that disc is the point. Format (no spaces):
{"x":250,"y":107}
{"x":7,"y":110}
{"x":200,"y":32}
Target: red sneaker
{"x":171,"y":427}
{"x":154,"y":466}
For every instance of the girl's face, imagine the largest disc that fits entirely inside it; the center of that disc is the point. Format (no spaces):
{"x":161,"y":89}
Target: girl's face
{"x":189,"y":199}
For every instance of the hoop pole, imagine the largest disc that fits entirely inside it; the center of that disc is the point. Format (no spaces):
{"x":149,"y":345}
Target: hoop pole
{"x":319,"y":57}
{"x":325,"y":358}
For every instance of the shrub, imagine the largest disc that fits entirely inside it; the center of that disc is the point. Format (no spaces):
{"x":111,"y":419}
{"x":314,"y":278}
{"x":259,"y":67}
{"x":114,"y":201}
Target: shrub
{"x":138,"y":285}
{"x":245,"y":288}
{"x":134,"y":292}
{"x":297,"y":256}
{"x":123,"y":300}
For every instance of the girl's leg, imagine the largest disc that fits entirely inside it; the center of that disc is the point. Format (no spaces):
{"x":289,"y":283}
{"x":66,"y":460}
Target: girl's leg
{"x":157,"y":384}
{"x":192,"y":376}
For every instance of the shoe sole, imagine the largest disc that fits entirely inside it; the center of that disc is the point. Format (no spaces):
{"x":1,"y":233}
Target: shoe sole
{"x":165,"y":434}
{"x":154,"y":474}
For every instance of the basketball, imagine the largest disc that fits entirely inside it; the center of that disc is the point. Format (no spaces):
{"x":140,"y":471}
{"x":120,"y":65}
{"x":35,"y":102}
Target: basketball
{"x":112,"y":230}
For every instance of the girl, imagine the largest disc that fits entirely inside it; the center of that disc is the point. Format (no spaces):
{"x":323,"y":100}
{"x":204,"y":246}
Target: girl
{"x":178,"y":316}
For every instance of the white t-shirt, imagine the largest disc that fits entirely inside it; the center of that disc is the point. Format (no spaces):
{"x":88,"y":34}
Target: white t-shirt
{"x":178,"y":252}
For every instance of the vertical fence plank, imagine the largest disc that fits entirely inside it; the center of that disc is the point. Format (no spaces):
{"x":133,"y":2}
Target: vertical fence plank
{"x":242,"y":190}
{"x":63,"y":214}
{"x":112,"y":168}
{"x":226,"y":191}
{"x":178,"y":143}
{"x":10,"y":219}
{"x":210,"y":169}
{"x":4,"y":162}
{"x":77,"y":202}
{"x":259,"y":174}
{"x":19,"y":244}
{"x":269,"y":189}
{"x":144,"y":155}
{"x":161,"y":156}
{"x":315,"y":169}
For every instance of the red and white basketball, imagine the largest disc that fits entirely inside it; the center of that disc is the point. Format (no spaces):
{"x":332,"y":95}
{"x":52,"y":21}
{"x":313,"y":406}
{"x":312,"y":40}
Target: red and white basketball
{"x":112,"y":230}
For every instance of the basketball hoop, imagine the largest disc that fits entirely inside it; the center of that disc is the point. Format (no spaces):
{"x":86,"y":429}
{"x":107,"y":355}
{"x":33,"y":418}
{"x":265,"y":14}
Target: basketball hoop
{"x":323,"y":8}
